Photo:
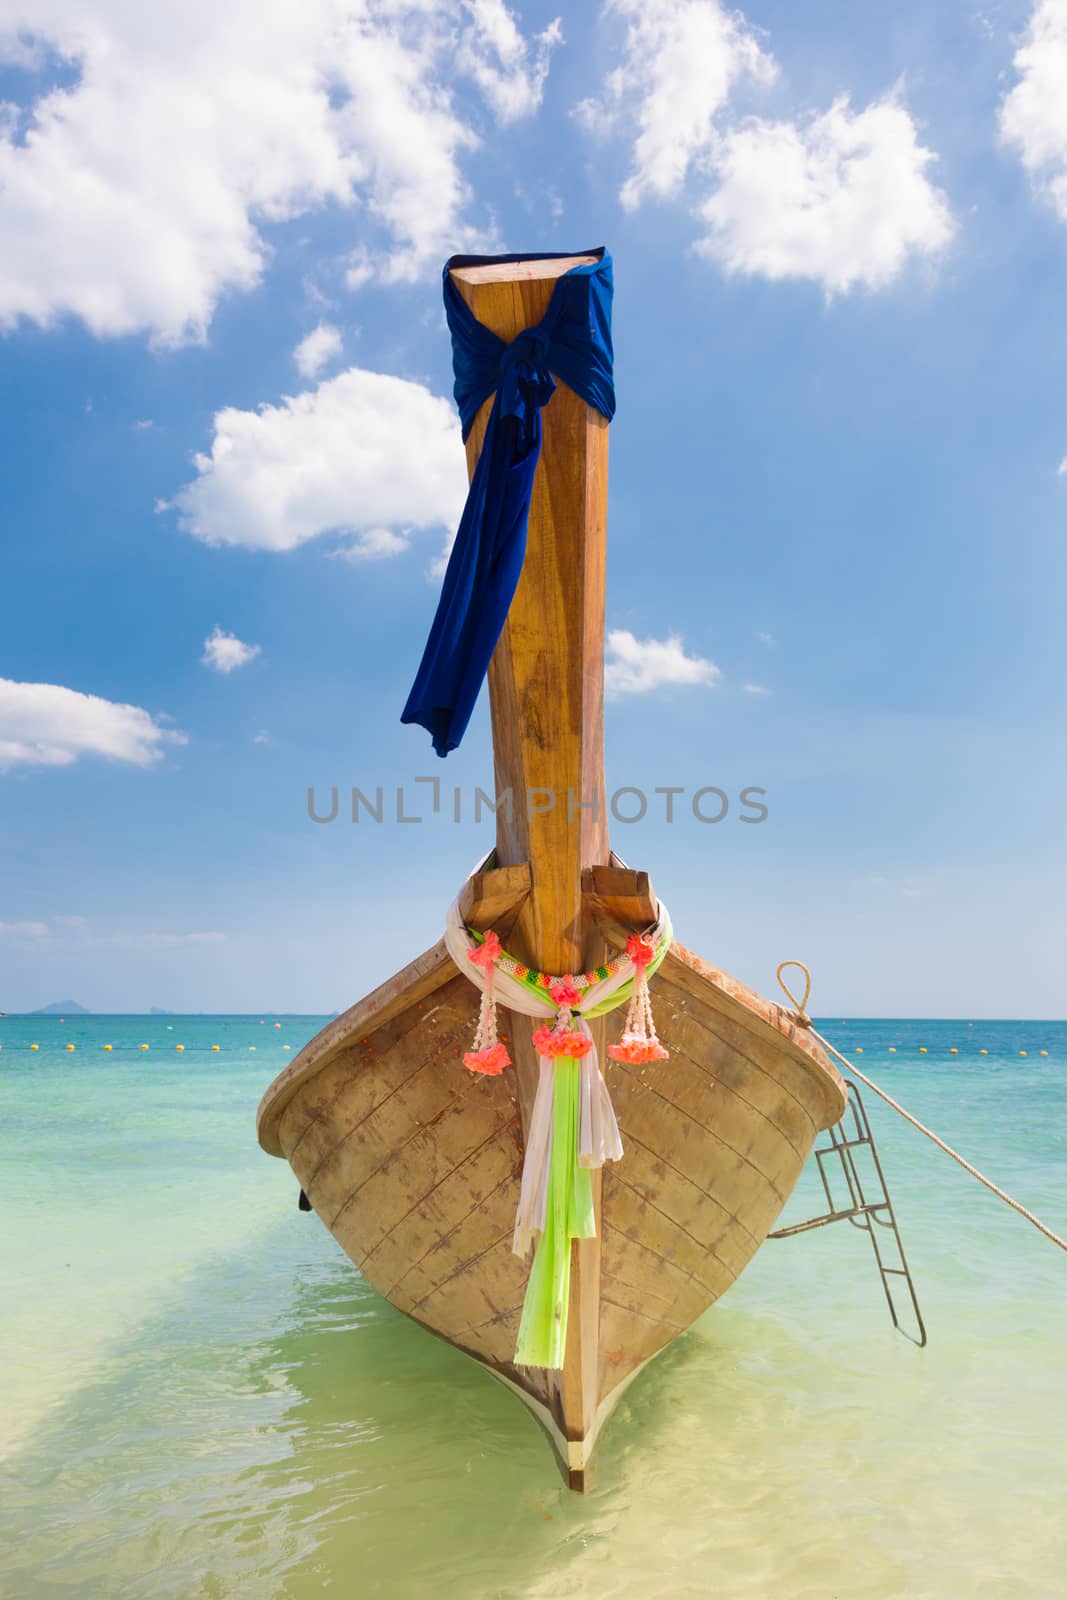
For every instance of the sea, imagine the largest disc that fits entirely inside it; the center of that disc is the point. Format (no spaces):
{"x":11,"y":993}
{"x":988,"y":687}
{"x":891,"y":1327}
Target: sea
{"x":200,"y":1397}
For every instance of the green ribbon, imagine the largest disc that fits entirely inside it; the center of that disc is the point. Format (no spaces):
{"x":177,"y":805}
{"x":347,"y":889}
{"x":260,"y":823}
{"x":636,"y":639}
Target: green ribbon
{"x":569,"y":1215}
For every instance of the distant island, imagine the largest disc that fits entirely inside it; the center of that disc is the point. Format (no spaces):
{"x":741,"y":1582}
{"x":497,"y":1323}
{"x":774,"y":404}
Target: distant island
{"x":62,"y":1008}
{"x":161,"y":1011}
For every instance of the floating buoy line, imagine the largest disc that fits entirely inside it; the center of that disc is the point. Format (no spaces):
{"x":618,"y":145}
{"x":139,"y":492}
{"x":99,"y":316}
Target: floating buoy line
{"x":801,"y":1016}
{"x":859,"y":1049}
{"x":212,"y":1048}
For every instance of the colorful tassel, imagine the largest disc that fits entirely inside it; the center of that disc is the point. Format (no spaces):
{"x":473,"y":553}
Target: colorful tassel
{"x":488,"y":1055}
{"x":565,"y":992}
{"x":563,"y":1038}
{"x":639,"y":1042}
{"x":561,"y":1041}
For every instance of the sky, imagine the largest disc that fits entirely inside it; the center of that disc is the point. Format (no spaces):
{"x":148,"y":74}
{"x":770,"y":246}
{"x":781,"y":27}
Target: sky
{"x":837,"y":502}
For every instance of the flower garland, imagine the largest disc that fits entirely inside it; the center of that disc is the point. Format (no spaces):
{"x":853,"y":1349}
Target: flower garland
{"x":505,"y":981}
{"x":639,"y":1042}
{"x":487,"y":1054}
{"x":572,"y":1128}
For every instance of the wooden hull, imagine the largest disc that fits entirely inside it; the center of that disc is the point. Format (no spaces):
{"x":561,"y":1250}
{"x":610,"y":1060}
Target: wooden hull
{"x":414,"y":1164}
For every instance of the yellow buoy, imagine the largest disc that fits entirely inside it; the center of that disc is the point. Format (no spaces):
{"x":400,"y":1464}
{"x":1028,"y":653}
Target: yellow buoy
{"x":107,"y":1047}
{"x":1022,"y":1052}
{"x":285,"y":1047}
{"x":251,"y":1047}
{"x":892,"y":1049}
{"x":859,"y":1049}
{"x":35,"y":1047}
{"x":1044,"y":1052}
{"x":214,"y":1047}
{"x":144,"y":1047}
{"x":179,"y":1047}
{"x":70,"y":1047}
{"x":922,"y":1049}
{"x":983,"y":1052}
{"x":953,"y":1051}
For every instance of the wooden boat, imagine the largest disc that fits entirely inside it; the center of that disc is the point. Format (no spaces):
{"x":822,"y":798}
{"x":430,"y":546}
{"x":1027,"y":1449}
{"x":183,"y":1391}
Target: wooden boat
{"x":413,"y":1163}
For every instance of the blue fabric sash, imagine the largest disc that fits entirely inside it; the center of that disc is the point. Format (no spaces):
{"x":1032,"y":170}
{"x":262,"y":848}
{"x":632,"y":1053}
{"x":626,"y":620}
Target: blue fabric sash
{"x":572,"y":342}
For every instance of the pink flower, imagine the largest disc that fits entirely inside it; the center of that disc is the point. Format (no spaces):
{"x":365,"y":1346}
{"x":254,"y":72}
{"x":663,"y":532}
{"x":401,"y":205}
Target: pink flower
{"x":490,"y":1061}
{"x":565,"y":992}
{"x":488,"y":953}
{"x":634,"y":1049}
{"x":640,"y":949}
{"x":562,"y":1042}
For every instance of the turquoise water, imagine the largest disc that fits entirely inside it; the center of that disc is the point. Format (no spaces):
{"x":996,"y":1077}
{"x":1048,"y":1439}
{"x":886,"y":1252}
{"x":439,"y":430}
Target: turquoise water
{"x":201,"y":1398}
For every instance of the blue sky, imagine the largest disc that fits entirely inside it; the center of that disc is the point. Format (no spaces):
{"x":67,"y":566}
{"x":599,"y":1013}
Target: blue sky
{"x":840,"y":244}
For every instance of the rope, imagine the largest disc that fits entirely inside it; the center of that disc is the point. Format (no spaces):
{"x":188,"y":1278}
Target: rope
{"x":805,"y":1021}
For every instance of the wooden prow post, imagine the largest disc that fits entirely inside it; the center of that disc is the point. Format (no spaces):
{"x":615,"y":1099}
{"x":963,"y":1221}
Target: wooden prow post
{"x":546,"y":692}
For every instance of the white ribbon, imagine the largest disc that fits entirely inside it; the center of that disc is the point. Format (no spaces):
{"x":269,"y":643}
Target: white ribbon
{"x":598,"y":1139}
{"x":598,"y":1130}
{"x":533,"y":1194}
{"x":459,"y":942}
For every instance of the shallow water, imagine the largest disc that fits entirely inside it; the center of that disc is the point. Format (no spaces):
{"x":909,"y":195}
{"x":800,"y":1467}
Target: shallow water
{"x":202,"y":1398}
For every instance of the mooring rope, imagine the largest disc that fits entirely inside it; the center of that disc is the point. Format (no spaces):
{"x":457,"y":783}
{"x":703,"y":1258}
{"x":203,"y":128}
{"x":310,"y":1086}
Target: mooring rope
{"x":805,"y":1021}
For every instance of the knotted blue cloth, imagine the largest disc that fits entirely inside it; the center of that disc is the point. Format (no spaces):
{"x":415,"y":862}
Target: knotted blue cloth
{"x":572,"y":342}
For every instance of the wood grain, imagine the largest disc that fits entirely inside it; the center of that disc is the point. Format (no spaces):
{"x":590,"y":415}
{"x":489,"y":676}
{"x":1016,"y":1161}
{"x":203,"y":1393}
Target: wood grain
{"x":619,"y":901}
{"x":494,"y":898}
{"x":546,"y":698}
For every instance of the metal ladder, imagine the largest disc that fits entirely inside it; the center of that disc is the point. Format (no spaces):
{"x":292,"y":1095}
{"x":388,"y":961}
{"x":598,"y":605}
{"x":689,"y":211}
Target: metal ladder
{"x":870,"y":1214}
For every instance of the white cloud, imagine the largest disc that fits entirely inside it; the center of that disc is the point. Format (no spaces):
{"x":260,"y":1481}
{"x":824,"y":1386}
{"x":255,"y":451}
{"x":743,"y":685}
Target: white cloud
{"x":224,"y":652}
{"x":1033,"y":117}
{"x":377,"y":544}
{"x":144,"y":425}
{"x":1062,"y":468}
{"x":842,"y":199}
{"x":768,"y":639}
{"x":497,"y":56}
{"x":680,"y":61}
{"x":359,"y":268}
{"x":44,"y":725}
{"x":634,"y":666}
{"x":321,"y":346}
{"x":135,"y":196}
{"x":23,"y":930}
{"x":361,"y":453}
{"x":262,"y":737}
{"x":755,"y":688}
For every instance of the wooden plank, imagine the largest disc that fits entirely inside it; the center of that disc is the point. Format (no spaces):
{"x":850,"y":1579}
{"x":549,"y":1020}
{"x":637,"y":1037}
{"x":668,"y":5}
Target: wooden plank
{"x":620,"y":901}
{"x":542,"y":267}
{"x":548,"y":749}
{"x":409,"y":987}
{"x":448,"y":1225}
{"x":631,"y":1214}
{"x":762,"y":1019}
{"x":707,"y":1155}
{"x":547,"y":715}
{"x":703,"y":1213}
{"x":734,"y":1073}
{"x":724,"y":1120}
{"x":493,"y":899}
{"x":363,"y":1074}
